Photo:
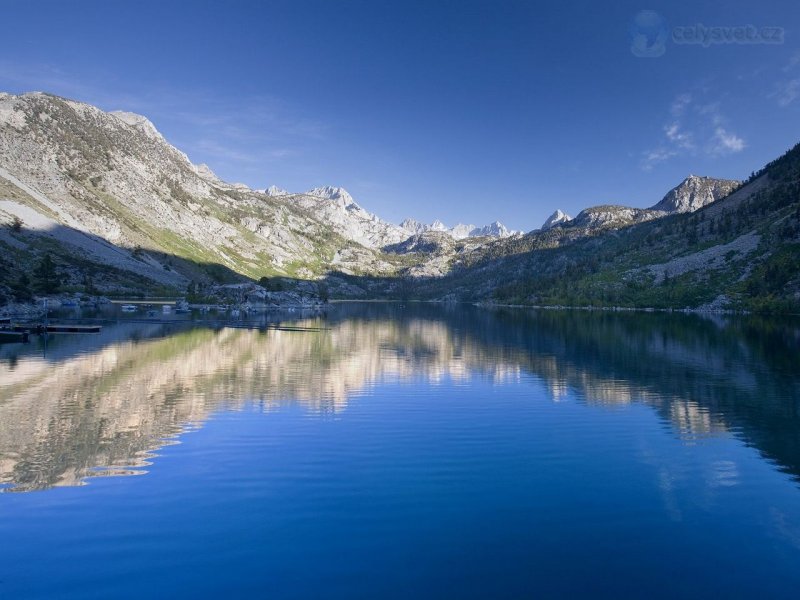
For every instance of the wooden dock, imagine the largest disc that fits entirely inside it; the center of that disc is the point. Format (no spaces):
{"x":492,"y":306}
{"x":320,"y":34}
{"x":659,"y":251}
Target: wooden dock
{"x":13,"y":337}
{"x":56,"y":328}
{"x":73,"y":328}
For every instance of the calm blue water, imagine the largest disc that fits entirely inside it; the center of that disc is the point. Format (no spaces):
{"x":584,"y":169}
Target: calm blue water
{"x":390,"y":452}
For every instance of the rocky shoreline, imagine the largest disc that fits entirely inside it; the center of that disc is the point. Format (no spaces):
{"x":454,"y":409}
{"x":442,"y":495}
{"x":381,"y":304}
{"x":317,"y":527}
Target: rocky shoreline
{"x":242,"y":297}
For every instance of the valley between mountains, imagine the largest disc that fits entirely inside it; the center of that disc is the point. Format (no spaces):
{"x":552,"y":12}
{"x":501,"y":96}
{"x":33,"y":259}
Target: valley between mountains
{"x":120,"y":211}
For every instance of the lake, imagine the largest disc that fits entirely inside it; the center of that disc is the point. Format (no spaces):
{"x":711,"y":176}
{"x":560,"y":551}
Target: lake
{"x":389,"y":451}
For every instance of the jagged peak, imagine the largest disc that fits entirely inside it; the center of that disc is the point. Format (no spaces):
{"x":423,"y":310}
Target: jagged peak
{"x":459,"y":231}
{"x":275,"y":191}
{"x":495,"y":229}
{"x":694,"y":192}
{"x":330,"y":192}
{"x":556,"y":218}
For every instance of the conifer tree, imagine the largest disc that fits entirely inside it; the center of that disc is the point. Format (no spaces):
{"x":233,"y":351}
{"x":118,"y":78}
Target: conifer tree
{"x":45,"y":276}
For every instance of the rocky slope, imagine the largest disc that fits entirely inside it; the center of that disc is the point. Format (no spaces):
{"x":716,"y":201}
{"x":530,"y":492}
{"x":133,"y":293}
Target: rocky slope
{"x":112,"y":178}
{"x":741,"y":251}
{"x":695,"y":193}
{"x":597,"y":221}
{"x":335,"y":206}
{"x":114,"y":202}
{"x":107,"y":194}
{"x":690,"y":195}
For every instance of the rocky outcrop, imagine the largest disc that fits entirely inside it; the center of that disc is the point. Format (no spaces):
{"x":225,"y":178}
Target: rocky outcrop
{"x":275,"y":191}
{"x":695,"y":192}
{"x":612,"y":216}
{"x":557,"y":218}
{"x":427,"y":242}
{"x":690,"y":195}
{"x":336,"y":207}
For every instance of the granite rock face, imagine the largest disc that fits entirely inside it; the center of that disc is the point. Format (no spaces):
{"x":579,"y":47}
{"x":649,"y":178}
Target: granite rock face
{"x":695,"y":192}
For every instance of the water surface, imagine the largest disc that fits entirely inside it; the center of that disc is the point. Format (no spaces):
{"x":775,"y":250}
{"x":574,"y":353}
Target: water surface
{"x":398,"y":451}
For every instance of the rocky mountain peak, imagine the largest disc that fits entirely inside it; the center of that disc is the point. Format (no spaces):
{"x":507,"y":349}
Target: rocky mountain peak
{"x":695,"y":192}
{"x":459,"y":231}
{"x":496,"y":229}
{"x":275,"y":191}
{"x":413,"y":226}
{"x":330,"y":192}
{"x":556,"y":218}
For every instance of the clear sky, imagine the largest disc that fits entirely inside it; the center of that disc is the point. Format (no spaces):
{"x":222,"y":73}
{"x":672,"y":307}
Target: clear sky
{"x":458,"y":110}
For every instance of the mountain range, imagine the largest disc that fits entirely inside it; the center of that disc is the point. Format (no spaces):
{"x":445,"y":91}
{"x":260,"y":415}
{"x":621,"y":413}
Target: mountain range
{"x":115,"y":204}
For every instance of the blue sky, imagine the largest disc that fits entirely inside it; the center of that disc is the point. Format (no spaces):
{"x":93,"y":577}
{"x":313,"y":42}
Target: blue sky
{"x":458,"y":110}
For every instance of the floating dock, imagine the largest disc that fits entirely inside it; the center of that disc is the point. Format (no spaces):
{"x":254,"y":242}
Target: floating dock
{"x":13,"y":337}
{"x":55,"y":328}
{"x":73,"y":328}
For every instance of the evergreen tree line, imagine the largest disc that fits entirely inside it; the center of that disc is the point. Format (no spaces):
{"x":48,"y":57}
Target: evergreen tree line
{"x":44,"y":279}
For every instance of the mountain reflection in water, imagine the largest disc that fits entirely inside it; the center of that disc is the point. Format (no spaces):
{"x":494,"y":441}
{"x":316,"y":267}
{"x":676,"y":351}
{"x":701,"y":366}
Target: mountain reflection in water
{"x":103,"y":405}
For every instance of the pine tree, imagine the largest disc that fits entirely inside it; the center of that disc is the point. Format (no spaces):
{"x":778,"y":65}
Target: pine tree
{"x":45,"y":276}
{"x":21,"y":288}
{"x":88,"y":283}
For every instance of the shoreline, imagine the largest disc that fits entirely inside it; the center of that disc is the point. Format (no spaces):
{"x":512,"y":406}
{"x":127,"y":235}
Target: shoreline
{"x":32,"y":310}
{"x":482,"y":304}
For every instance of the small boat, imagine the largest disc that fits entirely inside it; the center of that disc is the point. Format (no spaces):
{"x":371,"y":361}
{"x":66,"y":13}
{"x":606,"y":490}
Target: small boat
{"x":69,"y":304}
{"x":166,"y":309}
{"x":129,"y":308}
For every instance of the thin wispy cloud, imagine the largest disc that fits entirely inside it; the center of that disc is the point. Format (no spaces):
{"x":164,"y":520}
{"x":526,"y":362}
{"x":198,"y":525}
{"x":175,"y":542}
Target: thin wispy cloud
{"x":682,"y":139}
{"x":794,"y":62}
{"x":245,"y":118}
{"x":787,"y":89}
{"x":725,"y":142}
{"x":233,"y":154}
{"x":653,"y":157}
{"x":788,"y":92}
{"x":679,"y":105}
{"x":695,"y":128}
